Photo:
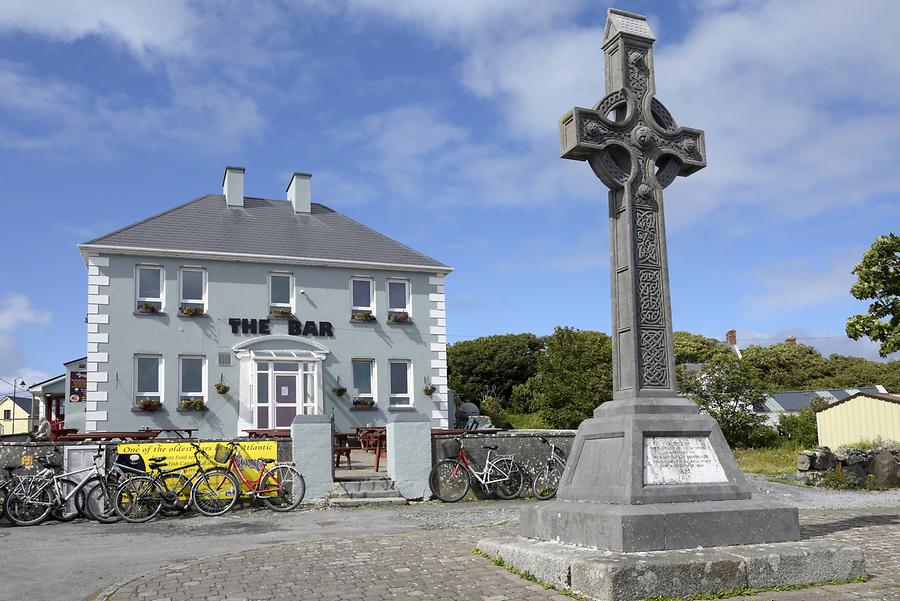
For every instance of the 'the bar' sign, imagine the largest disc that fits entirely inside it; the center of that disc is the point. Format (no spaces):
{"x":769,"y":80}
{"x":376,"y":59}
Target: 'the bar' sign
{"x":240,"y":325}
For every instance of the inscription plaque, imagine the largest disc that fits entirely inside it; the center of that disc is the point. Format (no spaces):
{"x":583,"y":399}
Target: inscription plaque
{"x":680,"y":460}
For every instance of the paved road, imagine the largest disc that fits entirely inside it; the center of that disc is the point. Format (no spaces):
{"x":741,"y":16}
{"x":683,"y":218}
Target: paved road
{"x":421,"y":551}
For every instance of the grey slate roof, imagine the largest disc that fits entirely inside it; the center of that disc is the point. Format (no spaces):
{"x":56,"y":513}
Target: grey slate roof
{"x":265,"y":227}
{"x":23,"y":402}
{"x":796,"y":400}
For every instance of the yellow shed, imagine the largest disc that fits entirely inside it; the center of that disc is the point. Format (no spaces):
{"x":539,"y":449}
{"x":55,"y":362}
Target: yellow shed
{"x":863,"y":416}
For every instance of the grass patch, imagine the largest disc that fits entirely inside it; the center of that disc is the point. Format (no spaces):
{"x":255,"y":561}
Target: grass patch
{"x":736,"y":592}
{"x":774,"y":461}
{"x":527,"y":421}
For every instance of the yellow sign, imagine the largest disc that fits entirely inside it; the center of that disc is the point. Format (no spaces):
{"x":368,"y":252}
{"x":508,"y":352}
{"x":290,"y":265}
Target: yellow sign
{"x":26,"y":460}
{"x":177,"y":454}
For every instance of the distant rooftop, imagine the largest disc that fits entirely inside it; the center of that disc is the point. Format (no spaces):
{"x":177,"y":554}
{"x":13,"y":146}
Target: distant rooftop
{"x":262,"y":229}
{"x":797,"y":400}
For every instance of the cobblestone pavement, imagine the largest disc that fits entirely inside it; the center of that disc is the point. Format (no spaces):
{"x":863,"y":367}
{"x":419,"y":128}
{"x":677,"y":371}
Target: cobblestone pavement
{"x":436,"y":563}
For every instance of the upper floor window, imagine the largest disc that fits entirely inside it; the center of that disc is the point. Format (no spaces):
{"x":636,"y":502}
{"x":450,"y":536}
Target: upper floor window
{"x":7,"y":414}
{"x":401,"y":377}
{"x":192,"y":295}
{"x":363,"y":383}
{"x":148,"y":381}
{"x":281,"y":293}
{"x":398,"y":300}
{"x":149,"y":288}
{"x":362,"y":296}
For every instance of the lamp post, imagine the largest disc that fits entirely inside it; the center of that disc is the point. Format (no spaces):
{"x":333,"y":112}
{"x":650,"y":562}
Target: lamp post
{"x":16,"y":383}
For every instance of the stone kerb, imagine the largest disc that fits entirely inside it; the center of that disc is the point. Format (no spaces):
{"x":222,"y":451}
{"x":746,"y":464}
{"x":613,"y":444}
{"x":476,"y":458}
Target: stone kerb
{"x":313,"y":450}
{"x":525,"y":445}
{"x":409,"y":454}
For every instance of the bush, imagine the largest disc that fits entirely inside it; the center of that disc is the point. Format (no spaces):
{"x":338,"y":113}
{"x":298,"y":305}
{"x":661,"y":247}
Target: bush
{"x":491,"y":407}
{"x":837,"y":479}
{"x":802,"y":428}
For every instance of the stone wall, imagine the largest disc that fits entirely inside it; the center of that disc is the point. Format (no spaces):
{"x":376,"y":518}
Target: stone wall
{"x":525,"y":445}
{"x":879,"y":467}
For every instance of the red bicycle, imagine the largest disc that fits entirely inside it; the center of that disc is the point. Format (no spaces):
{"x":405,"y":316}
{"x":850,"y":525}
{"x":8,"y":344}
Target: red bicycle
{"x":451,"y":478}
{"x":280,"y":486}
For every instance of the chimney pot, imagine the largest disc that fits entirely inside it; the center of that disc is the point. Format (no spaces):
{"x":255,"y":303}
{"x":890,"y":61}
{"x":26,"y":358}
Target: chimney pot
{"x":233,"y":186}
{"x":790,"y":340}
{"x":299,"y":192}
{"x":731,"y":337}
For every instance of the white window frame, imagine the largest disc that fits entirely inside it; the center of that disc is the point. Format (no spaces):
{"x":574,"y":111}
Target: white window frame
{"x":138,"y":299}
{"x":362,"y":309}
{"x":409,"y":384}
{"x":161,"y":378}
{"x":203,"y":378}
{"x":374,"y":383}
{"x":291,"y":286}
{"x":406,"y":309}
{"x":186,"y":301}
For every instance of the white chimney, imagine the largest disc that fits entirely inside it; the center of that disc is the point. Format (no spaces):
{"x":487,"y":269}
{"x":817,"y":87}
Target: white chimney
{"x":299,"y":192}
{"x":233,"y":186}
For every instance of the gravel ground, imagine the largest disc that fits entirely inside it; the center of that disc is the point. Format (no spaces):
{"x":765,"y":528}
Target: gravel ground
{"x":806,"y":497}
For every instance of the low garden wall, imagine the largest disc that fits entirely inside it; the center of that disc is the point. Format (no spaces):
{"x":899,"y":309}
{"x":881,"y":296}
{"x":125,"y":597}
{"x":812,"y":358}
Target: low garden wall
{"x":525,"y":445}
{"x":860,"y":468}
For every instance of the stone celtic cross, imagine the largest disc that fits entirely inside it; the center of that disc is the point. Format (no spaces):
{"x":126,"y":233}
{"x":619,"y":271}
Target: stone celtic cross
{"x":634,"y":146}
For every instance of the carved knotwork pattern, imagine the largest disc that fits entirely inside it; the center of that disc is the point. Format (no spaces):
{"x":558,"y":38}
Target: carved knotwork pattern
{"x":653,"y":358}
{"x":685,"y":145}
{"x":637,"y":72}
{"x":661,"y":115}
{"x":645,"y":234}
{"x":650,"y":296}
{"x":610,"y":102}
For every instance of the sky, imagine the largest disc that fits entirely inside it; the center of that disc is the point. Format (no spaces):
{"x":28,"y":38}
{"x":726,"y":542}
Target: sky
{"x":436,"y":123}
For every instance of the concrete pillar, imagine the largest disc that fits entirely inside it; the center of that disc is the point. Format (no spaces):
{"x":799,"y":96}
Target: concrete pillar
{"x":313,"y":441}
{"x":409,"y":454}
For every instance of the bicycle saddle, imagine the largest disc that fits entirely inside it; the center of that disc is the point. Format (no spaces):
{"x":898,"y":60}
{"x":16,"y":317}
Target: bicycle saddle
{"x":157,"y":459}
{"x":491,"y":447}
{"x":157,"y":464}
{"x":265,"y":460}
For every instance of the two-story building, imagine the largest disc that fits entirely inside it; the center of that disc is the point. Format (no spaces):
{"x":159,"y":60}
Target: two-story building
{"x":230,"y":313}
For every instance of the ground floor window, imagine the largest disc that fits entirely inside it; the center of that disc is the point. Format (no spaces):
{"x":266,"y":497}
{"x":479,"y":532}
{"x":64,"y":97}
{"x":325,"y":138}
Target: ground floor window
{"x":363,"y":383}
{"x":284,"y":389}
{"x":192,"y":379}
{"x":401,"y":375}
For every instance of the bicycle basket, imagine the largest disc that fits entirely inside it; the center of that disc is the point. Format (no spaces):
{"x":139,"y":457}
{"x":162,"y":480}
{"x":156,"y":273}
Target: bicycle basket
{"x":223,"y":453}
{"x":451,"y":449}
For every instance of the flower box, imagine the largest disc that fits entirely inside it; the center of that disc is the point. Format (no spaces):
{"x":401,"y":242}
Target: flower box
{"x":148,"y":404}
{"x":190,"y":310}
{"x":191,"y":404}
{"x":363,"y":402}
{"x":280,"y":312}
{"x":362,"y":317}
{"x":398,"y":316}
{"x":148,"y":308}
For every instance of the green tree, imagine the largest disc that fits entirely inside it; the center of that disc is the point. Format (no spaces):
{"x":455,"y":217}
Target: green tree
{"x":493,"y":365}
{"x":802,"y":427}
{"x":878,"y":279}
{"x":574,"y":376}
{"x":695,"y":348}
{"x":727,"y":389}
{"x":784,"y":366}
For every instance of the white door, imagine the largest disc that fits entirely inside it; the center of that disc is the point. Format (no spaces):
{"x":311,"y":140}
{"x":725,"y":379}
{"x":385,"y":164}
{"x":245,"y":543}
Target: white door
{"x":284,"y":389}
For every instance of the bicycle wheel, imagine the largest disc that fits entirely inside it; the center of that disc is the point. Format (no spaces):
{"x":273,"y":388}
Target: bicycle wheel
{"x":28,"y":508}
{"x":139,"y":499}
{"x":449,"y":481}
{"x":215,"y":491}
{"x":72,"y":508}
{"x":176,"y":493}
{"x":4,"y":490}
{"x":100,"y":501}
{"x":508,"y":478}
{"x":545,"y":483}
{"x":282,"y":488}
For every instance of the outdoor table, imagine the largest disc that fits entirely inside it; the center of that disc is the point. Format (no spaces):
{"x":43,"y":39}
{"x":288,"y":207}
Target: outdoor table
{"x":180,"y":432}
{"x":364,"y":435}
{"x":342,"y":448}
{"x":268,"y":433}
{"x":375,"y":440}
{"x":138,"y":435}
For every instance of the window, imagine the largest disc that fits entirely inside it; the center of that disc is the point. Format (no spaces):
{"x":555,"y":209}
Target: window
{"x":281,"y":291}
{"x":401,"y":374}
{"x":192,"y":379}
{"x":7,"y":414}
{"x":148,"y":379}
{"x":150,"y":288}
{"x":398,"y":300}
{"x":192,"y":287}
{"x":362,"y":295}
{"x":363,"y":383}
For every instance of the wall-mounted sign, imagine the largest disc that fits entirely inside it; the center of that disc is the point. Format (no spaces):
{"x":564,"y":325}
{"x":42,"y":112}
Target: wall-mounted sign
{"x":241,"y":325}
{"x":77,"y":386}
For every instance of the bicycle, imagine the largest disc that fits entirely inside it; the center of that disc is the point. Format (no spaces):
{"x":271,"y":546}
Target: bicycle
{"x":140,"y":498}
{"x":280,"y":487}
{"x":451,"y":478}
{"x":546,"y":482}
{"x":33,"y":498}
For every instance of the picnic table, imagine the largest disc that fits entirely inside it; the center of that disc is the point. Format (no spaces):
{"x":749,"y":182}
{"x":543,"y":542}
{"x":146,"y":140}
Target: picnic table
{"x":268,"y":433}
{"x":180,"y":432}
{"x":342,"y":449}
{"x":135,"y":435}
{"x":373,"y":438}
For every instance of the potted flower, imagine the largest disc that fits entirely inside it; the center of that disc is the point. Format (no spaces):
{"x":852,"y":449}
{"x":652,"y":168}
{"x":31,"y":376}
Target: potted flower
{"x":430,"y":389}
{"x":149,"y":404}
{"x":191,"y":404}
{"x":280,"y":312}
{"x":222,"y":387}
{"x":362,"y":316}
{"x":147,"y":308}
{"x":339,"y":389}
{"x":398,"y":316}
{"x":358,"y":402}
{"x":190,"y":310}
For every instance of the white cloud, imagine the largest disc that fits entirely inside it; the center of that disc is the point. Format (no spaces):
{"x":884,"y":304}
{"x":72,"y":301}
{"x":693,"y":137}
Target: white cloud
{"x":827,"y":343}
{"x":796,"y":284}
{"x":17,"y":311}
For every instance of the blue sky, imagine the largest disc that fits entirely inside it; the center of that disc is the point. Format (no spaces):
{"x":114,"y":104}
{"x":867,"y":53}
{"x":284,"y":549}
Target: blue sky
{"x":436,"y":123}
